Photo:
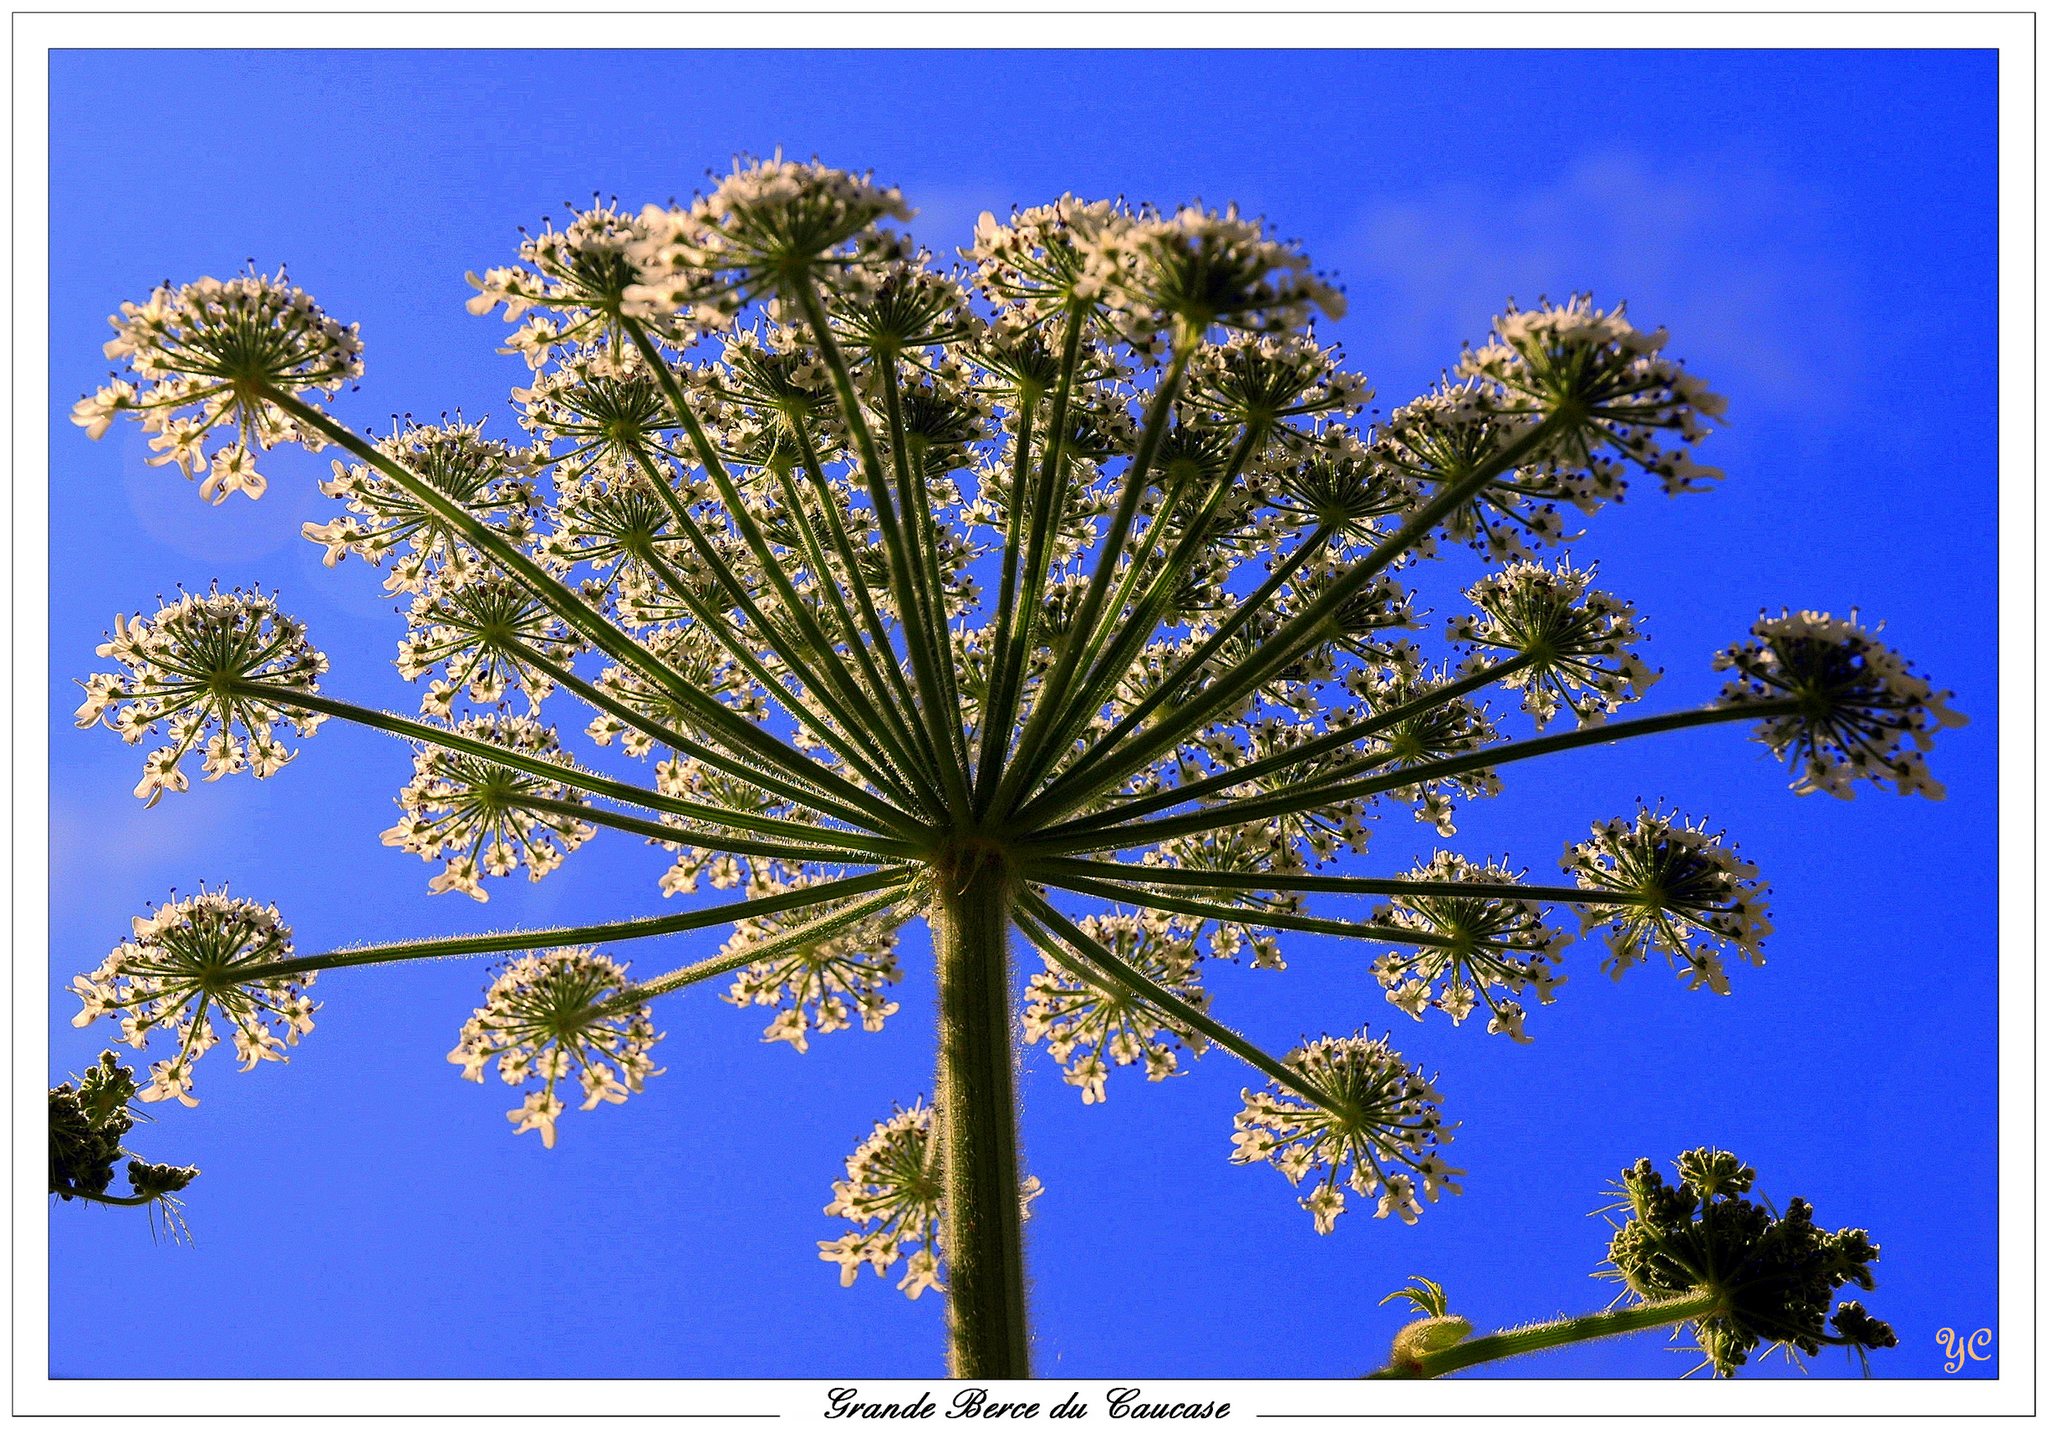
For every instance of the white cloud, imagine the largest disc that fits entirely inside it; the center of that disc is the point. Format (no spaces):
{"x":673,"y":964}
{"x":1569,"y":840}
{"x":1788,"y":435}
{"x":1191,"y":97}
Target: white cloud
{"x":1734,"y":260}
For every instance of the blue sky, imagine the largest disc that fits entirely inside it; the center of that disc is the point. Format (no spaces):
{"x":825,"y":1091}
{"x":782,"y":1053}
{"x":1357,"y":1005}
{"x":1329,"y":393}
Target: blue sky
{"x":1816,"y":229}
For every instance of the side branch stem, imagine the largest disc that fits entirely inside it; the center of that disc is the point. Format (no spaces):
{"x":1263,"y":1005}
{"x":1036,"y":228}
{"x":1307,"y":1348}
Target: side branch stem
{"x":1271,"y":806}
{"x":1195,"y":709}
{"x":896,"y":900}
{"x":1650,"y":1315}
{"x":726,"y":725}
{"x":669,"y":834}
{"x":517,"y":940}
{"x":569,"y":776}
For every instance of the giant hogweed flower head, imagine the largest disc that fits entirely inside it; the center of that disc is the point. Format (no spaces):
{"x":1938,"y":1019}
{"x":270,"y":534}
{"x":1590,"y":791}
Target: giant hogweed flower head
{"x":768,"y":223}
{"x":1777,"y":1274}
{"x":1373,"y":1125}
{"x":206,"y":359}
{"x":193,"y":960}
{"x":726,"y":521}
{"x":218,"y":671}
{"x":1603,"y":378}
{"x":1103,"y":1021}
{"x":1492,"y":949}
{"x":822,"y":986}
{"x":1577,"y":640}
{"x":491,"y":480}
{"x":892,"y":1193}
{"x":1858,"y":703}
{"x":468,"y":811}
{"x":550,"y":1015}
{"x":1679,"y":890}
{"x":1200,"y":269}
{"x":577,"y":280}
{"x":1414,"y":738}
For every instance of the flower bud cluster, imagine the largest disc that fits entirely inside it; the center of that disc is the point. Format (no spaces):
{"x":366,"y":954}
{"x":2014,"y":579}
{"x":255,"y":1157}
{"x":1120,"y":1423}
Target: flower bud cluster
{"x":88,"y":1119}
{"x":552,"y":1014}
{"x":1776,"y":1274}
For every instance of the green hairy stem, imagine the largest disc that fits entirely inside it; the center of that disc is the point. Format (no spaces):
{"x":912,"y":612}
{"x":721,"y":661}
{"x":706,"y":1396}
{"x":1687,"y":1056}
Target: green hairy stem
{"x":1551,"y":1335}
{"x":976,"y":1113}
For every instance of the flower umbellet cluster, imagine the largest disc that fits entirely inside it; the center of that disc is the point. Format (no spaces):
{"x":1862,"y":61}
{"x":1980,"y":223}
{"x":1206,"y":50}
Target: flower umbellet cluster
{"x":492,"y":480}
{"x":1679,"y":890}
{"x":483,"y":818}
{"x":206,"y":360}
{"x":1075,"y":576}
{"x":893,"y":1195}
{"x":1364,"y":1120}
{"x":1488,"y":948}
{"x":1857,"y":712}
{"x":1090,"y":1024}
{"x":818,"y":986}
{"x":221,"y":673}
{"x":556,"y":1015}
{"x":1571,"y":641}
{"x":193,"y":961}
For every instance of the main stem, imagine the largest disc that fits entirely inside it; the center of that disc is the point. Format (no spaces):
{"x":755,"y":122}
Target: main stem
{"x":977,"y":1117}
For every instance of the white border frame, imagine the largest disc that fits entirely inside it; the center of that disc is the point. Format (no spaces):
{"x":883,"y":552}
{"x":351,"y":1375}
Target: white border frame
{"x":1208,"y":26}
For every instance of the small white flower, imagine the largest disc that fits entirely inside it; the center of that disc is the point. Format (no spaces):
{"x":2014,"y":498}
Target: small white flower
{"x":1325,"y":1203}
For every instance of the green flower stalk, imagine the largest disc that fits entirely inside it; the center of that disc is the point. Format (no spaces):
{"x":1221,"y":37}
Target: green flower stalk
{"x":1060,"y":591}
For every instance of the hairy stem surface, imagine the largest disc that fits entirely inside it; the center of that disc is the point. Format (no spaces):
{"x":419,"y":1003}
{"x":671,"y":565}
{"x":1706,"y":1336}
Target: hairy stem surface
{"x":977,"y":1119}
